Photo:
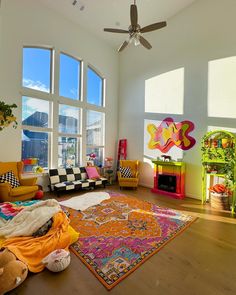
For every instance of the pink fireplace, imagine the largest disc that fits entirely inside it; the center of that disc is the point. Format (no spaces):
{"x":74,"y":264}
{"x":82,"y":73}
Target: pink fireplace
{"x":169,"y":178}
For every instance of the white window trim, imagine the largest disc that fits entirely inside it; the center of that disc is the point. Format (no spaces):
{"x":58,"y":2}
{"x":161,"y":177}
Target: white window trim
{"x":55,"y":100}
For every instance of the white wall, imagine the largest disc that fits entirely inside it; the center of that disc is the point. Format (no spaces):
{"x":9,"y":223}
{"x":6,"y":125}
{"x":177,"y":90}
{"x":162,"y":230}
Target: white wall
{"x":203,"y":32}
{"x":27,"y":22}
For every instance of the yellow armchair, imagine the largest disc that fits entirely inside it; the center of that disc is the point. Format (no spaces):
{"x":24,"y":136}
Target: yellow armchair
{"x":132,"y":181}
{"x":25,"y":191}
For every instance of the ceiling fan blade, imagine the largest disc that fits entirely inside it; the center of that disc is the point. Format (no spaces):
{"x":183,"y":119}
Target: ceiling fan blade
{"x":123,"y":45}
{"x":133,"y":15}
{"x":144,"y":42}
{"x":115,"y":30}
{"x":153,"y":27}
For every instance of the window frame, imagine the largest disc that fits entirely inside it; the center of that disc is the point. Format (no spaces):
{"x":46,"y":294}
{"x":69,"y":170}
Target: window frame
{"x":55,"y":100}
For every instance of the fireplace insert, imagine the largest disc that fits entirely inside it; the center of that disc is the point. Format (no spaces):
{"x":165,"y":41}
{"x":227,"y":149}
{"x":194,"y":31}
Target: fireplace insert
{"x":167,"y":182}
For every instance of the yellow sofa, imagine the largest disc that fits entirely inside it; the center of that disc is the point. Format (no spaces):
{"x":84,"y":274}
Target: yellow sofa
{"x":25,"y":191}
{"x":129,"y":182}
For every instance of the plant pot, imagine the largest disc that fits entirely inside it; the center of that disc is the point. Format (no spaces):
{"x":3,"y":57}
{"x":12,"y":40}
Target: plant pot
{"x":220,"y":201}
{"x":225,"y":142}
{"x":5,"y":122}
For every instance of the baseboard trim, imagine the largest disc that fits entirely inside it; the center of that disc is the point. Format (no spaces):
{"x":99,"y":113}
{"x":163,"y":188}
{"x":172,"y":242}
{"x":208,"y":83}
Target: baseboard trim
{"x":191,"y":196}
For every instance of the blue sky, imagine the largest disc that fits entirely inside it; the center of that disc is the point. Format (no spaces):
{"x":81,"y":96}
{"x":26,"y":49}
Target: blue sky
{"x":36,"y":69}
{"x":94,"y":88}
{"x":36,"y":75}
{"x":69,"y":77}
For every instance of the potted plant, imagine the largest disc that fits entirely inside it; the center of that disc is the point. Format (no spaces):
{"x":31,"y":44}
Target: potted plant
{"x":6,"y":115}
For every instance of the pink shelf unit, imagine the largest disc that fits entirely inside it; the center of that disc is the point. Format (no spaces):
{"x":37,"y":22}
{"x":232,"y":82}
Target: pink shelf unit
{"x":169,"y":178}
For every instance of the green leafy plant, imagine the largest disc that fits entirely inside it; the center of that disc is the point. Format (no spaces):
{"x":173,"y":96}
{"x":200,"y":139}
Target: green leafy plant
{"x":6,"y":115}
{"x":223,"y":159}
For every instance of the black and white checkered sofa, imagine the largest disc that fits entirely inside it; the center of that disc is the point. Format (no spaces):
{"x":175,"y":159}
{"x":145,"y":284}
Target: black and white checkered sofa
{"x":72,"y":178}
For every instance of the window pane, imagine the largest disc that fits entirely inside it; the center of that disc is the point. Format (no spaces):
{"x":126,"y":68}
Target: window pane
{"x":94,"y":88}
{"x":35,"y":112}
{"x":34,"y":149}
{"x":98,"y":161}
{"x":95,"y":128}
{"x":37,"y":69}
{"x":69,"y":77}
{"x":69,"y":119}
{"x":68,"y":152}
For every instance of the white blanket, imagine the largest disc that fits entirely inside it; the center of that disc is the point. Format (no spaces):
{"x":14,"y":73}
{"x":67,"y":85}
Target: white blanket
{"x":30,"y":219}
{"x":86,"y":200}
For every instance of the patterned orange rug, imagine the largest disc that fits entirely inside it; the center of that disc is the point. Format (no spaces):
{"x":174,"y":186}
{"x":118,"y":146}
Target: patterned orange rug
{"x":119,"y":234}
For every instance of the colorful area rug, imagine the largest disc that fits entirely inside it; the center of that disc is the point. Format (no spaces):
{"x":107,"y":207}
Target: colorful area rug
{"x":119,"y":234}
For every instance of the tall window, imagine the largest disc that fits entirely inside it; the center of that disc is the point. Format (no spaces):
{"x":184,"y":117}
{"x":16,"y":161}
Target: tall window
{"x":95,"y":87}
{"x":52,"y":120}
{"x":37,"y":69}
{"x":69,"y":139}
{"x":69,"y":77}
{"x":35,"y":133}
{"x":95,"y":136}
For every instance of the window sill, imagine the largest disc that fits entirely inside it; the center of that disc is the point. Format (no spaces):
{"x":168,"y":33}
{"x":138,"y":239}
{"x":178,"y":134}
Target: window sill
{"x":34,"y":174}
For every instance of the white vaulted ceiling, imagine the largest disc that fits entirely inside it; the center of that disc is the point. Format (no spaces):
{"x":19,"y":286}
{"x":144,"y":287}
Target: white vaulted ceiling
{"x":94,"y":15}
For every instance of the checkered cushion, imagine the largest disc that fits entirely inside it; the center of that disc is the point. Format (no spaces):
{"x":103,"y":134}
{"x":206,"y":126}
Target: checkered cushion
{"x":10,"y":178}
{"x":125,"y":172}
{"x":72,"y":178}
{"x":63,"y":175}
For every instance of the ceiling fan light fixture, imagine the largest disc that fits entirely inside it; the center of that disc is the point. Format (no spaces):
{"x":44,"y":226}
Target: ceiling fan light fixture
{"x":135,"y":31}
{"x":136,"y":42}
{"x":136,"y":39}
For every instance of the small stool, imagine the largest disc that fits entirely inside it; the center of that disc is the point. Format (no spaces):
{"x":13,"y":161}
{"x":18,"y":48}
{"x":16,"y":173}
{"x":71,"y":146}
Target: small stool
{"x":109,"y":174}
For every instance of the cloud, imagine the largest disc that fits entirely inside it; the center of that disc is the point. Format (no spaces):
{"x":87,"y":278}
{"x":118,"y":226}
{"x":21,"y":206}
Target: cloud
{"x":74,"y":92}
{"x":31,"y":105}
{"x":37,"y":85}
{"x":69,"y":111}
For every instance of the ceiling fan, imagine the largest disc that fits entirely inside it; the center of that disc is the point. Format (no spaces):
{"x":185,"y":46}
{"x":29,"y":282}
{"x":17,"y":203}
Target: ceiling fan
{"x":135,"y":31}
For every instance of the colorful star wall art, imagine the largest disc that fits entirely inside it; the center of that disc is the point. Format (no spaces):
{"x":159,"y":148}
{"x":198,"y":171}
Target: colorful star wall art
{"x":169,"y":134}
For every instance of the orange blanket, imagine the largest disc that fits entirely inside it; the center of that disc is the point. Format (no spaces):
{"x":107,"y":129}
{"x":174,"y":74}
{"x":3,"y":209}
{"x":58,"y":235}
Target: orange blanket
{"x":32,"y":250}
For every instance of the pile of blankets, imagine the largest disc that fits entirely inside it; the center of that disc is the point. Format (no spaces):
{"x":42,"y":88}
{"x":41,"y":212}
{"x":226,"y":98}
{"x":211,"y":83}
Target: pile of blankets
{"x":20,"y":225}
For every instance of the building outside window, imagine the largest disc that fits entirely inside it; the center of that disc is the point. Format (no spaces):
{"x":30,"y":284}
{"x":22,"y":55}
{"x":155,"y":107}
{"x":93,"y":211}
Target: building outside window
{"x":36,"y":132}
{"x":69,"y":139}
{"x":95,"y":136}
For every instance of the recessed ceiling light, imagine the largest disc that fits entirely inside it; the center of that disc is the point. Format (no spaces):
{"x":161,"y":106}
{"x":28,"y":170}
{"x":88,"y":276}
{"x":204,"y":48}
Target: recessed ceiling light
{"x":80,"y":5}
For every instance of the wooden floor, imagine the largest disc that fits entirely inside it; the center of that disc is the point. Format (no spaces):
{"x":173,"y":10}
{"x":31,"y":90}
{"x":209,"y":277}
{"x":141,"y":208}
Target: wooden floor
{"x":200,"y":261}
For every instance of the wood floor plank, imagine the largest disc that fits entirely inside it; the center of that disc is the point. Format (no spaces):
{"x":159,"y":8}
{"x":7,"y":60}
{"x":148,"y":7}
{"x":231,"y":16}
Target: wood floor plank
{"x":199,"y":261}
